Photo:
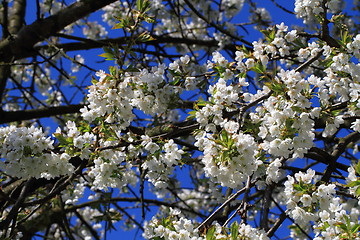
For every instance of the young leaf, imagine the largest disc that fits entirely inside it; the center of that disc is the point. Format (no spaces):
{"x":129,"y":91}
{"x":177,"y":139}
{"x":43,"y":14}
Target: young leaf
{"x":234,"y":230}
{"x":107,"y":56}
{"x":210,"y":233}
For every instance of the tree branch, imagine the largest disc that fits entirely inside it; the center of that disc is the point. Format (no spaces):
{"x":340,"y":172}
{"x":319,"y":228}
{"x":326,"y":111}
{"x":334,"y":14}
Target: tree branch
{"x":212,"y":216}
{"x":16,"y":20}
{"x":7,"y":117}
{"x":87,"y":44}
{"x":338,"y":150}
{"x":217,"y":27}
{"x":14,"y":47}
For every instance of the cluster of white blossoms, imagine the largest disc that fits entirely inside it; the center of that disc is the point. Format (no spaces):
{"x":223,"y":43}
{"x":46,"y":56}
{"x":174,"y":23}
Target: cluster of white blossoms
{"x":351,"y":178}
{"x":212,"y":113}
{"x":308,"y":9}
{"x":116,"y":98}
{"x":274,"y":172}
{"x":339,"y":221}
{"x":279,"y":46}
{"x":230,"y":155}
{"x":301,"y":196}
{"x":176,"y":227}
{"x":108,"y":169}
{"x":286,"y":126}
{"x":354,"y":46}
{"x":109,"y":97}
{"x":284,"y":135}
{"x":160,"y":163}
{"x":229,"y":158}
{"x":26,"y":153}
{"x":223,"y":96}
{"x":308,"y":202}
{"x":111,"y":170}
{"x":83,"y":142}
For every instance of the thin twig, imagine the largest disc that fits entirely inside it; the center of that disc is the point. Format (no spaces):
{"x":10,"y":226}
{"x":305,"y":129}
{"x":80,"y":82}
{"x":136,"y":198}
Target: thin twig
{"x":283,"y":8}
{"x":87,"y":225}
{"x":217,"y":27}
{"x":58,"y":189}
{"x":14,"y":210}
{"x":129,"y":216}
{"x":212,"y":216}
{"x":309,"y":61}
{"x":243,"y":202}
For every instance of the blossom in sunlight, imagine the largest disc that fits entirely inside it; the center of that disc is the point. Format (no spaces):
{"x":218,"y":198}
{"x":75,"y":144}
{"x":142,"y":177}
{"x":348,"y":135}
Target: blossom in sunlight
{"x":27,"y":153}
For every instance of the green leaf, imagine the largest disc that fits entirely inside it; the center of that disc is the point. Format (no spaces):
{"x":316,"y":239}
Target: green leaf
{"x":107,"y":56}
{"x":27,"y":150}
{"x":241,"y":75}
{"x":298,"y":187}
{"x":192,"y":115}
{"x":84,"y":127}
{"x":108,"y":49}
{"x":94,"y":81}
{"x":210,"y":233}
{"x":265,"y":32}
{"x":357,"y":168}
{"x":123,"y":22}
{"x":234,"y":230}
{"x":342,"y":226}
{"x":143,"y":5}
{"x":327,"y":63}
{"x":62,"y":140}
{"x":288,"y":123}
{"x":224,"y":136}
{"x":119,"y":25}
{"x":258,"y":68}
{"x":357,"y":192}
{"x":175,"y":82}
{"x":272,"y":35}
{"x":345,"y":38}
{"x":277,"y":87}
{"x":297,"y":109}
{"x":202,"y":103}
{"x":326,"y":225}
{"x":149,"y":19}
{"x":269,"y":34}
{"x":353,"y":183}
{"x":355,"y":228}
{"x":139,"y":4}
{"x":144,"y":37}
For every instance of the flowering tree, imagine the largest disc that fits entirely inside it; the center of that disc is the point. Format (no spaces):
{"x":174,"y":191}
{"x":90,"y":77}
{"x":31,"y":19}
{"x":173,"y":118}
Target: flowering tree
{"x":195,"y":131}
